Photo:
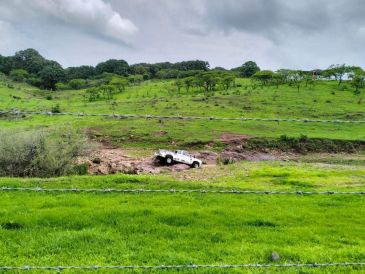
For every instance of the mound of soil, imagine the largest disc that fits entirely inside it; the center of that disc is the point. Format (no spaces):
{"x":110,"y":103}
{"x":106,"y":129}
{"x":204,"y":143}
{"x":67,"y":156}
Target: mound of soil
{"x":108,"y":160}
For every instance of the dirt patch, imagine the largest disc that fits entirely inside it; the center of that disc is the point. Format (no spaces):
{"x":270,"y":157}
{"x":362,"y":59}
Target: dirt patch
{"x":230,"y":138}
{"x":160,"y":133}
{"x":233,"y":156}
{"x":106,"y":160}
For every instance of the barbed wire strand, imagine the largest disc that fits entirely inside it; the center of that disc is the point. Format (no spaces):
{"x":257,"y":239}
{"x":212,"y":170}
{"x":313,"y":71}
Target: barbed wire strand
{"x":173,"y":191}
{"x":135,"y":116}
{"x":192,"y":266}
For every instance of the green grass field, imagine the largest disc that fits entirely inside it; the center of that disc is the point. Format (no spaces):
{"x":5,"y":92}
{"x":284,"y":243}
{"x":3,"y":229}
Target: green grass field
{"x":325,"y":101}
{"x":153,"y":229}
{"x":170,"y":229}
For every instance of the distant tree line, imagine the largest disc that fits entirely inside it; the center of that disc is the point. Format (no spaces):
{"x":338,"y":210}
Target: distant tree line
{"x":110,"y":76}
{"x":29,"y":66}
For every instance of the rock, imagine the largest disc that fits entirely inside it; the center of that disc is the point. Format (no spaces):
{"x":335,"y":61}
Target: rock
{"x":275,"y":256}
{"x":103,"y":170}
{"x":96,"y":161}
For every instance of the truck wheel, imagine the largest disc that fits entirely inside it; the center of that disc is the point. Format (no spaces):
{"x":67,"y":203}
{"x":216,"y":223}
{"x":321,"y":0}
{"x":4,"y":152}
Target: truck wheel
{"x":169,"y":160}
{"x":196,"y":165}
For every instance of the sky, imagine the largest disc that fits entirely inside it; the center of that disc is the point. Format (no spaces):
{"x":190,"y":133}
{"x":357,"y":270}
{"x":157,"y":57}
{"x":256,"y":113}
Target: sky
{"x":297,"y":34}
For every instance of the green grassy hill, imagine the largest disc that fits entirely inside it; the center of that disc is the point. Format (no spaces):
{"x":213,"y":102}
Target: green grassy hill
{"x":325,"y":101}
{"x":170,"y":229}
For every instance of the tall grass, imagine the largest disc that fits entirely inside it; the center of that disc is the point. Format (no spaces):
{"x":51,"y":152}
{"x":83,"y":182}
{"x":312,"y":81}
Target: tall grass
{"x":39,"y":153}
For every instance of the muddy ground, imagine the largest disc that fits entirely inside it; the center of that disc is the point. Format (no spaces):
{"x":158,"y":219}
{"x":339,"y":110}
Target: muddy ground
{"x":107,"y":159}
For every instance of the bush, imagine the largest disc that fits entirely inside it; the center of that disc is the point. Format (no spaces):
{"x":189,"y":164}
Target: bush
{"x":40,"y":154}
{"x":56,"y":109}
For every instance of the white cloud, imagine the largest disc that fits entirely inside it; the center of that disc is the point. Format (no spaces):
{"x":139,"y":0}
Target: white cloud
{"x":92,"y":16}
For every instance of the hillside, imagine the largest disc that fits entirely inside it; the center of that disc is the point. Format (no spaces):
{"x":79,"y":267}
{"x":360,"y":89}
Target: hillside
{"x":324,"y":101}
{"x":52,"y":228}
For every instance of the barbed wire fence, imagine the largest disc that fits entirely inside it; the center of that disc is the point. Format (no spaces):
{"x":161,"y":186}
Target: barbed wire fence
{"x":188,"y":266}
{"x":175,"y":191}
{"x":179,"y":117}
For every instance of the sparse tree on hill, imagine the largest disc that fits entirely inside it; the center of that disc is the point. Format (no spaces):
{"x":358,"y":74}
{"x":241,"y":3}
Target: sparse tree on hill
{"x":248,"y":69}
{"x":264,"y":77}
{"x":357,"y":79}
{"x":188,"y":82}
{"x":227,"y":81}
{"x":338,"y":72}
{"x":179,"y":83}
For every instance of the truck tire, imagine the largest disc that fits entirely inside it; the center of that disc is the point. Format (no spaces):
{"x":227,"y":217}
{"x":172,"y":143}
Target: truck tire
{"x":169,"y":160}
{"x":195,"y":165}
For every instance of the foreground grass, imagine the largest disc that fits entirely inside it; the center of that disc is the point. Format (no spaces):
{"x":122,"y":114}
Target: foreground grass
{"x":112,"y":229}
{"x":155,"y":229}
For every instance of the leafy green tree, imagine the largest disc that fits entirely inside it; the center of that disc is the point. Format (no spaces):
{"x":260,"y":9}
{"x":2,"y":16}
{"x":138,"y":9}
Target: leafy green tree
{"x":19,"y":75}
{"x":82,"y":72}
{"x":207,"y":80}
{"x":119,"y":67}
{"x":107,"y":91}
{"x":179,"y":84}
{"x":119,"y":83}
{"x":51,"y":74}
{"x":264,"y":77}
{"x":30,"y":60}
{"x":6,"y":64}
{"x":278,"y":79}
{"x":93,"y":94}
{"x":227,"y":81}
{"x":167,"y":74}
{"x":135,"y":79}
{"x":338,"y":72}
{"x":188,"y":83}
{"x":295,"y":78}
{"x":77,"y":83}
{"x":248,"y":69}
{"x":139,"y":69}
{"x":357,"y":79}
{"x":191,"y":65}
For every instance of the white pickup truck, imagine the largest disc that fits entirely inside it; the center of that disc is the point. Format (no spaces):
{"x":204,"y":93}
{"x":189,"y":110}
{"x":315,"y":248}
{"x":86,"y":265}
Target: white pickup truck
{"x":178,"y":156}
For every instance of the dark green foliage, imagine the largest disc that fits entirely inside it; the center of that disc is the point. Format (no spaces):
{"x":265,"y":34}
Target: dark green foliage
{"x":264,"y":77}
{"x":358,"y":80}
{"x":51,"y":74}
{"x":248,"y":69}
{"x":56,"y":109}
{"x":119,"y":67}
{"x":6,"y":64}
{"x":77,"y":84}
{"x":82,"y":72}
{"x":260,"y":223}
{"x":192,"y":65}
{"x":11,"y":226}
{"x":167,"y":74}
{"x":30,"y":60}
{"x":19,"y":75}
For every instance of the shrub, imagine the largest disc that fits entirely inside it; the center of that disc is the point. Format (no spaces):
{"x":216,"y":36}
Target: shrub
{"x":56,"y":109}
{"x":40,"y":154}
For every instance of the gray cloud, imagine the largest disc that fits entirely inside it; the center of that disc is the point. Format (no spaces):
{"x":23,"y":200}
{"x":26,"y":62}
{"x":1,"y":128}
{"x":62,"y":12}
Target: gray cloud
{"x":92,"y":16}
{"x":275,"y":33}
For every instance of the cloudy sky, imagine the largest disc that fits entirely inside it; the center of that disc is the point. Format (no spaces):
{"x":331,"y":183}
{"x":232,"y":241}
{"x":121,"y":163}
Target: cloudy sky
{"x":274,"y":33}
